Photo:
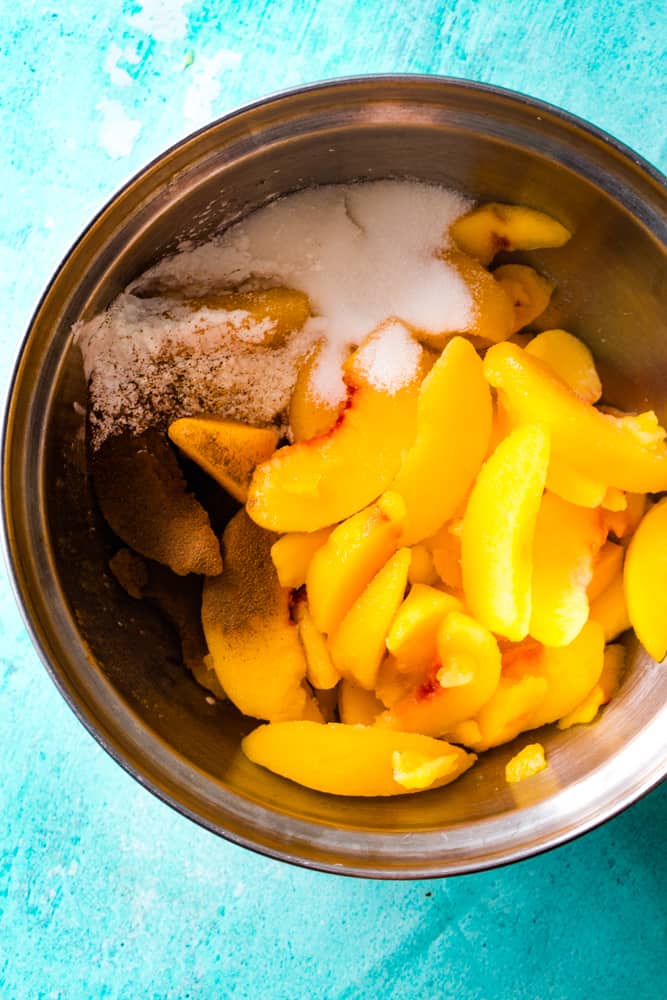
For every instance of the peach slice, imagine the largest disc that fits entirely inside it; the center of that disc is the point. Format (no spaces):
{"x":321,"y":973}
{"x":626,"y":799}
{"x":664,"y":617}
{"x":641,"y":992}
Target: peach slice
{"x":602,"y":692}
{"x":309,"y":414}
{"x":610,"y":609}
{"x":358,"y":646}
{"x":454,"y":415}
{"x":227,"y":450}
{"x":574,"y":486}
{"x":392,"y":683}
{"x":311,"y":484}
{"x":596,"y":444}
{"x":493,"y":312}
{"x":255,"y":646}
{"x":569,"y":358}
{"x":292,"y":555}
{"x":353,"y":760}
{"x":273,"y":313}
{"x":606,"y":567}
{"x":412,"y":638}
{"x":422,"y":568}
{"x":567,"y":539}
{"x":622,"y":523}
{"x":356,"y":705}
{"x":525,"y":763}
{"x":645,"y":581}
{"x":446,"y":550}
{"x":349,"y":559}
{"x":320,"y":671}
{"x":505,"y":714}
{"x":569,"y":671}
{"x":528,"y":291}
{"x":467,"y":649}
{"x":492,"y":227}
{"x":498,"y":530}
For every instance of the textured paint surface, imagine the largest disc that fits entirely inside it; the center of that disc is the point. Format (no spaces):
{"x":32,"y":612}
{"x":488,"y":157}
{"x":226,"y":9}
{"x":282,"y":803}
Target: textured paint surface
{"x":104,"y":892}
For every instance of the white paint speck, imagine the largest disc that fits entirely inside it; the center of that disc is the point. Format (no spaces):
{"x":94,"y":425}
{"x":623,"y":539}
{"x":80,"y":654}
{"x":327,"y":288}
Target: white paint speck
{"x":49,"y":222}
{"x":117,"y":75}
{"x":205,"y":85}
{"x":239,"y":889}
{"x":117,"y":131}
{"x":164,"y":20}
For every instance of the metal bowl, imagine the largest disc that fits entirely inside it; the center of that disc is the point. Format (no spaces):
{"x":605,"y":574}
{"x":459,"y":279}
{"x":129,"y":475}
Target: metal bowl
{"x":114,"y":661}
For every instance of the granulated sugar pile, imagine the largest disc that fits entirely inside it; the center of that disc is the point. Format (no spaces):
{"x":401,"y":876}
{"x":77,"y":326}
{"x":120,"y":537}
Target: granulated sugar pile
{"x":363,"y":254}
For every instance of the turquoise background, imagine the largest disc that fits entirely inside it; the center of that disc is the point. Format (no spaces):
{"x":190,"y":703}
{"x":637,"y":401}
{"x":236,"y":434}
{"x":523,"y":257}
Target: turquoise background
{"x":104,"y":892}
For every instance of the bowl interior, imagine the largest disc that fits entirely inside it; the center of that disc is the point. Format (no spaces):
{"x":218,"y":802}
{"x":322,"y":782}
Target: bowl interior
{"x":114,"y":658}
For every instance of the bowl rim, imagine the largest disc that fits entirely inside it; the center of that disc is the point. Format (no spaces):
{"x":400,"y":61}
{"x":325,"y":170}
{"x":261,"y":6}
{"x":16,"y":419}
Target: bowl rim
{"x":81,"y":710}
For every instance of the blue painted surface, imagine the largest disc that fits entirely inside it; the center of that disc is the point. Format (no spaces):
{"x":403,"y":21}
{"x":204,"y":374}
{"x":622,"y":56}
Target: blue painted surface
{"x":104,"y":892}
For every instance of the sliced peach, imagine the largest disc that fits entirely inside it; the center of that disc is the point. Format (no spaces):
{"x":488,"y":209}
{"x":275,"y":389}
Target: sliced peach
{"x":528,"y":291}
{"x":498,"y":529}
{"x":492,"y":227}
{"x":356,"y":705}
{"x":453,"y":428}
{"x":254,"y":644}
{"x":505,"y":714}
{"x":292,"y":554}
{"x":229,"y":451}
{"x":570,"y":672}
{"x":569,"y":358}
{"x":392,"y":683}
{"x":493,"y":312}
{"x":349,"y":559}
{"x":446,"y":550}
{"x":272,"y":313}
{"x":567,"y":540}
{"x":422,"y":568}
{"x":596,"y":444}
{"x":353,"y":760}
{"x":622,"y":523}
{"x":606,"y":567}
{"x":574,"y":486}
{"x":525,"y":763}
{"x":610,"y":609}
{"x":602,"y":692}
{"x":309,"y":414}
{"x":358,"y":645}
{"x":311,"y":484}
{"x":645,"y":581}
{"x":412,"y":638}
{"x":320,"y":671}
{"x":465,"y":649}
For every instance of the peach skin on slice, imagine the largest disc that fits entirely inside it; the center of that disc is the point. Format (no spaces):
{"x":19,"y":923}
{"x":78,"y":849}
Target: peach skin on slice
{"x":311,"y":484}
{"x":498,"y":530}
{"x":570,"y":673}
{"x":255,"y":646}
{"x":358,"y":645}
{"x":569,"y":358}
{"x":468,"y":660}
{"x":609,"y":449}
{"x":454,"y":414}
{"x":229,"y":451}
{"x":528,"y":291}
{"x":492,"y":227}
{"x":292,"y":554}
{"x":412,"y":638}
{"x":645,"y":581}
{"x":356,"y":705}
{"x":567,"y":540}
{"x":355,"y":760}
{"x":349,"y":559}
{"x":309,"y":414}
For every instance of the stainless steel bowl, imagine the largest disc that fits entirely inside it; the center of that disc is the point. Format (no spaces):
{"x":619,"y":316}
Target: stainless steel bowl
{"x":114,"y":661}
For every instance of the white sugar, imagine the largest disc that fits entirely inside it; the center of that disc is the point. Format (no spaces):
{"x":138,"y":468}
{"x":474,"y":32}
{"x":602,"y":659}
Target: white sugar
{"x":390,"y":358}
{"x":363,"y":253}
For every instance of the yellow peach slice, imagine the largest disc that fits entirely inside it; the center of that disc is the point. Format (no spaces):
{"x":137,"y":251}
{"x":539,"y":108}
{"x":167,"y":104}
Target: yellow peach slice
{"x":412,"y":638}
{"x":292,"y":554}
{"x":622,"y":523}
{"x":356,"y":705}
{"x":569,"y":358}
{"x":349,"y":559}
{"x":498,"y":529}
{"x":351,"y":760}
{"x":645,"y":581}
{"x":493,"y":312}
{"x":602,"y":692}
{"x":309,"y":414}
{"x":525,"y":763}
{"x":505,"y":714}
{"x":464,"y":647}
{"x":574,"y":486}
{"x":570,"y":673}
{"x":392,"y":683}
{"x":614,"y":500}
{"x":610,"y":609}
{"x":358,"y":646}
{"x":528,"y":291}
{"x":311,"y":484}
{"x":594,"y":443}
{"x":254,"y":644}
{"x":422,"y":568}
{"x":445,"y":547}
{"x":567,"y":539}
{"x":606,"y":567}
{"x":492,"y":227}
{"x":320,"y":671}
{"x":453,"y":428}
{"x":227,"y":450}
{"x":272,"y":313}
